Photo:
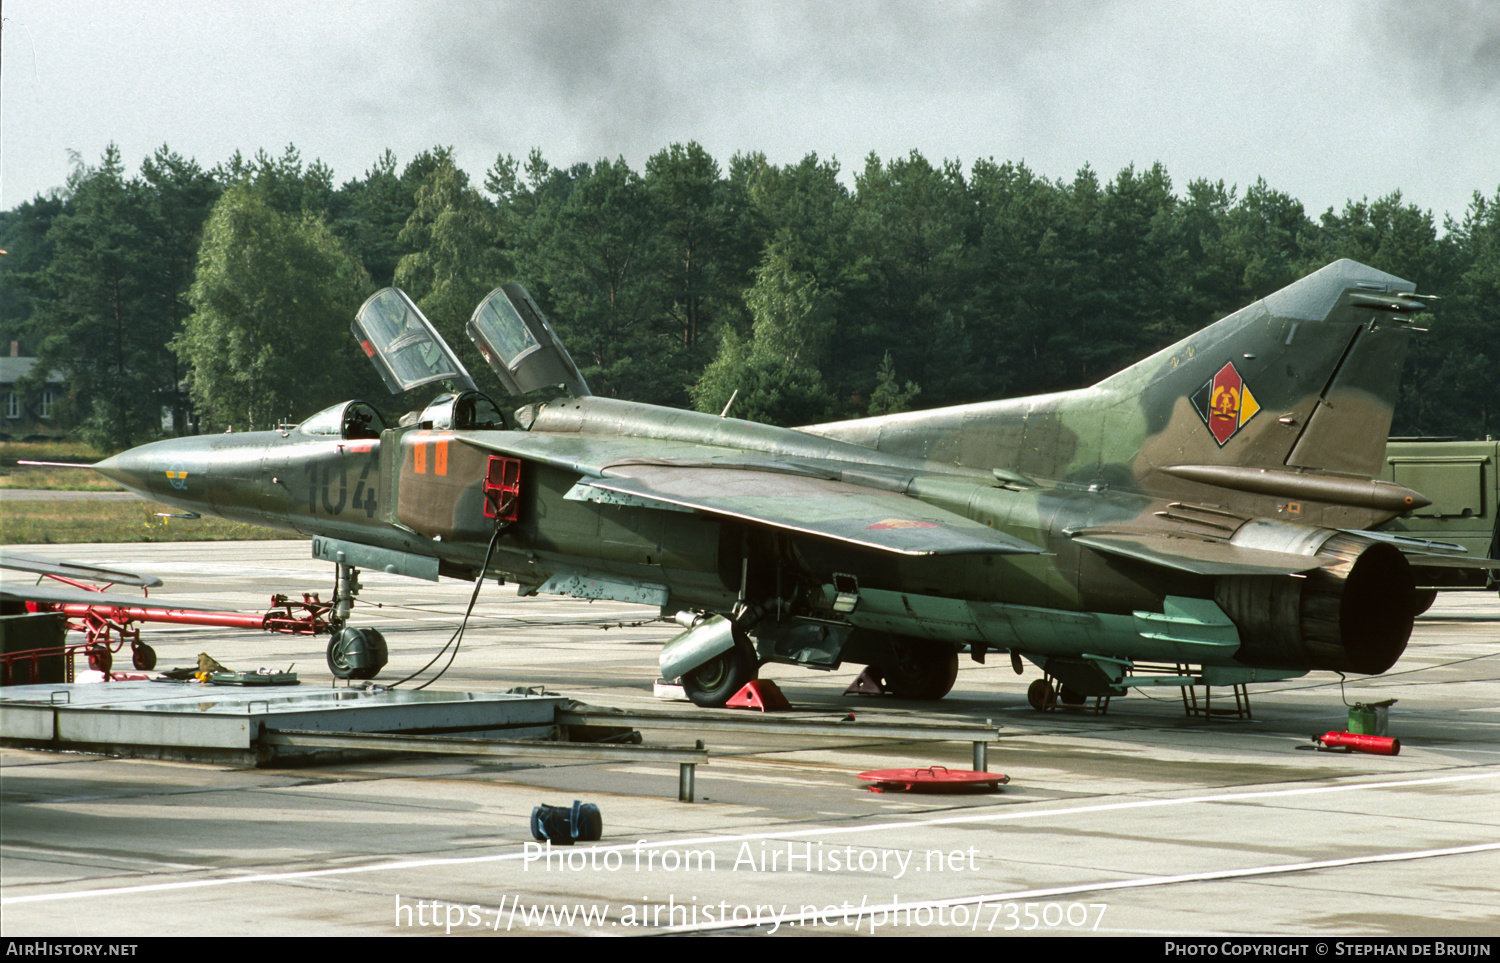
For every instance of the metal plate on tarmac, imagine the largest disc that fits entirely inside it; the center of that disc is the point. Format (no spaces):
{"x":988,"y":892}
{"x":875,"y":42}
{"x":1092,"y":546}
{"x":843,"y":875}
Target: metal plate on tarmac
{"x":932,"y":779}
{"x":253,"y":678}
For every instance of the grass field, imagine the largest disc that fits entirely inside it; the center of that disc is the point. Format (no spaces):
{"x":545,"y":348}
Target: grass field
{"x":13,"y":475}
{"x":61,"y":522}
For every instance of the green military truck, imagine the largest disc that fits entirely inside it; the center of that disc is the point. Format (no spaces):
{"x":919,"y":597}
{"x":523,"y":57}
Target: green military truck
{"x":1463,"y":480}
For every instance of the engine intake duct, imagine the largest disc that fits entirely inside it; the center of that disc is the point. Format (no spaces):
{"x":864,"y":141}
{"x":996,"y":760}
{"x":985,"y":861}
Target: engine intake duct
{"x":1354,"y":614}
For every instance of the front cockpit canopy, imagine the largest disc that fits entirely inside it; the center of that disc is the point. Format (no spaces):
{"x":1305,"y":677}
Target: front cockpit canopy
{"x":403,"y":345}
{"x":349,"y":420}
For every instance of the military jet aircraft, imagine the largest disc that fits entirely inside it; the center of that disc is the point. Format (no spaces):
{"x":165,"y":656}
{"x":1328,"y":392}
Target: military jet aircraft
{"x":1207,"y":507}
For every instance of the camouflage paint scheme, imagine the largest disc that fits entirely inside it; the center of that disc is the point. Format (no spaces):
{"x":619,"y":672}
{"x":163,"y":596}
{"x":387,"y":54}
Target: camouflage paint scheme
{"x":1198,"y":508}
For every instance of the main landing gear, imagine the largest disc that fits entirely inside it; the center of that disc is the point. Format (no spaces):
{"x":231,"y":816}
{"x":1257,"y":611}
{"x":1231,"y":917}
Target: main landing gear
{"x":919,"y":671}
{"x":713,"y":683}
{"x":352,"y":653}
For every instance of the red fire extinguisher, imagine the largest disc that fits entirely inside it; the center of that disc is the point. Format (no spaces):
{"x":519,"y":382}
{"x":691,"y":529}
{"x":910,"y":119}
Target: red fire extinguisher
{"x":1354,"y":742}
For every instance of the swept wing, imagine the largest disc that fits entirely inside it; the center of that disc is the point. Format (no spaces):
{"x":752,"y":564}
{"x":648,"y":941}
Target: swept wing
{"x":805,"y":496}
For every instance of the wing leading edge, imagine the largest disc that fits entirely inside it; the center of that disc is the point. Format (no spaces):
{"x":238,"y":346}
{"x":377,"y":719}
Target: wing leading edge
{"x":853,"y":514}
{"x":791,"y":495}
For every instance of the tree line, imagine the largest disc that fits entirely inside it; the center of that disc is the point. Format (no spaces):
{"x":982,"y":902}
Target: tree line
{"x":224,"y":295}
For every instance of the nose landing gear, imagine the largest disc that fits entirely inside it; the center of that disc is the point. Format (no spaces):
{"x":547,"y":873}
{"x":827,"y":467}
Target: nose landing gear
{"x":352,"y":653}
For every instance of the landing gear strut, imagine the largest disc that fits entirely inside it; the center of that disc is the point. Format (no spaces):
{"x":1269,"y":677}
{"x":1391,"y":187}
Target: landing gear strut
{"x":352,"y":653}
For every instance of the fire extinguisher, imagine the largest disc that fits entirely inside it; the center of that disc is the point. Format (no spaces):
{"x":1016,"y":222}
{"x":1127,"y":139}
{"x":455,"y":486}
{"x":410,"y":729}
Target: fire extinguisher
{"x":1355,"y":742}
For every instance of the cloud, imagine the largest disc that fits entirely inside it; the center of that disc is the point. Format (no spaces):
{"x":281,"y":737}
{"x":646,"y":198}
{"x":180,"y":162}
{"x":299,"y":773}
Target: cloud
{"x":1452,"y":48}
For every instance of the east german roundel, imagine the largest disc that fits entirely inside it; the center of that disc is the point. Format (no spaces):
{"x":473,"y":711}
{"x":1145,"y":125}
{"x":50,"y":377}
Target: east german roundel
{"x":1225,"y":403}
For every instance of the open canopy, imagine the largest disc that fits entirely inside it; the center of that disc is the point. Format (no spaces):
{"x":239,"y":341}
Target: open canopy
{"x":404,"y":346}
{"x":515,"y":338}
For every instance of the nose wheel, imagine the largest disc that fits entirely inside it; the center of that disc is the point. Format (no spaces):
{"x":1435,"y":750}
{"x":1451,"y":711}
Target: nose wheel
{"x":356,"y":653}
{"x":352,"y":653}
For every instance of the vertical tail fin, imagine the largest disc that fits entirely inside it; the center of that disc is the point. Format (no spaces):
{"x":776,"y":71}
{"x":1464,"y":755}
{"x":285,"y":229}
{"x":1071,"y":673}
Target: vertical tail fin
{"x":1305,"y":378}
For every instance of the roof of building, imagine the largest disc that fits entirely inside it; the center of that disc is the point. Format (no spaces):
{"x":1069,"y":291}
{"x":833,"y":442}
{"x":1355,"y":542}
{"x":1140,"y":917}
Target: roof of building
{"x":14,"y":369}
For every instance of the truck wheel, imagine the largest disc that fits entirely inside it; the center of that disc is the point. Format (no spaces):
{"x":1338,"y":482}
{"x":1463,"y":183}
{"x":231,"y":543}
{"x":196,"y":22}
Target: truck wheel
{"x":1071,"y":697}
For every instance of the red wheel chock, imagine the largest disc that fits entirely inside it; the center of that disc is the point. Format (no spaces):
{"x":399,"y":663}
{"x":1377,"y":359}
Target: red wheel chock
{"x":762,"y":694}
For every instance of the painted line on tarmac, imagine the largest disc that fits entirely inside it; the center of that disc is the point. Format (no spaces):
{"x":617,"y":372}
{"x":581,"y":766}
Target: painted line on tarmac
{"x":890,"y":913}
{"x":409,"y":864}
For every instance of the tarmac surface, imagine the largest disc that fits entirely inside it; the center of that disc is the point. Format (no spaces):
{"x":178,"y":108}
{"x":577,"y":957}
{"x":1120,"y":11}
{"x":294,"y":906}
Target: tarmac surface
{"x":1140,"y":822}
{"x":58,"y":495}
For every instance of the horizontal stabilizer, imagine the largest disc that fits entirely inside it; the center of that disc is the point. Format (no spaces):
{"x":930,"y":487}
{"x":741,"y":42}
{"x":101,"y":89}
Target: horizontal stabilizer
{"x":1420,"y":560}
{"x":1196,"y":555}
{"x":1426,"y":553}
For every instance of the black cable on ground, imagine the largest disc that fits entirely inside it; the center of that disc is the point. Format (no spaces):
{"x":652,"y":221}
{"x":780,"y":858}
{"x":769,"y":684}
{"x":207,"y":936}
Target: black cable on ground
{"x":456,"y":639}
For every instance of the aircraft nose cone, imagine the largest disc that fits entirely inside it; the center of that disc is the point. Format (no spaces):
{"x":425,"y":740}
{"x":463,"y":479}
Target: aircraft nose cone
{"x":128,"y":468}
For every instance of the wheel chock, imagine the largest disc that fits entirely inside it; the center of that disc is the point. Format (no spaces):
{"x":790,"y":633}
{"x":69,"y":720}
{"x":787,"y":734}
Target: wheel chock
{"x":668,"y":690}
{"x":762,"y":694}
{"x":869,"y":682}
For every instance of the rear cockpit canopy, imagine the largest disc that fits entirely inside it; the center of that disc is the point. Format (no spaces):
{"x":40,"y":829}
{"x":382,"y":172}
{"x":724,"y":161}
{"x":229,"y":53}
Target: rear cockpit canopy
{"x":513,"y":335}
{"x":403,"y":345}
{"x":462,"y":411}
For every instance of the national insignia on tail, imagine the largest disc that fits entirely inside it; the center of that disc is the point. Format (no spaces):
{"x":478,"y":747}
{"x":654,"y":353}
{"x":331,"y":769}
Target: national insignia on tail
{"x":1225,"y":403}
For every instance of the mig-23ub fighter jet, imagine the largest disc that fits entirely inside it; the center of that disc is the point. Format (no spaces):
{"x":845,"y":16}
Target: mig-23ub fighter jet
{"x":1206,"y":507}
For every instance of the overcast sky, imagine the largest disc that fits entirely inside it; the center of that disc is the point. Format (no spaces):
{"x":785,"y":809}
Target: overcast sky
{"x":1327,"y":101}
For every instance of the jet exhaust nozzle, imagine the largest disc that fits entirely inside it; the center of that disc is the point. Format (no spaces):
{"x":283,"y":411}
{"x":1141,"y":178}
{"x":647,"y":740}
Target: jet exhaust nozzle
{"x":1354,"y":614}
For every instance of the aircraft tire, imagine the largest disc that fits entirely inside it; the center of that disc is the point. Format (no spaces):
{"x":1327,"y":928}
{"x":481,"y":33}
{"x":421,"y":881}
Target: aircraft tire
{"x":1422,"y":601}
{"x":714,"y":682}
{"x":920,"y":671}
{"x":339,"y":662}
{"x":1040,"y":695}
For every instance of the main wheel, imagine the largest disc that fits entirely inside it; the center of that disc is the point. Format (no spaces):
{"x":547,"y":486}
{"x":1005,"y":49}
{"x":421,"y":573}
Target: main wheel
{"x":920,"y":671}
{"x":356,"y":654}
{"x":1071,"y":697}
{"x":1041,"y":695}
{"x":1422,"y":601}
{"x":714,"y":682}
